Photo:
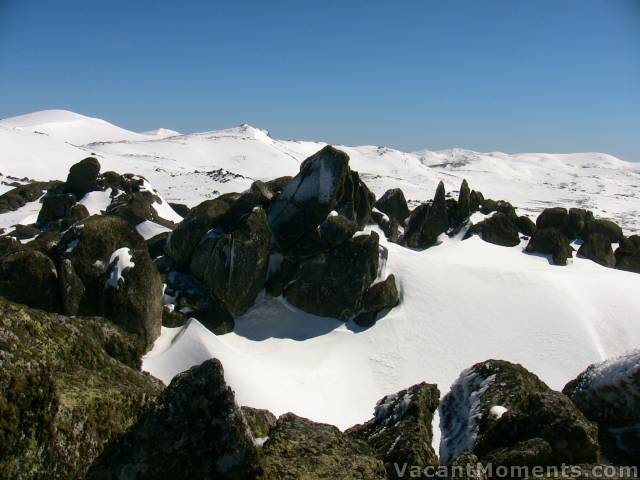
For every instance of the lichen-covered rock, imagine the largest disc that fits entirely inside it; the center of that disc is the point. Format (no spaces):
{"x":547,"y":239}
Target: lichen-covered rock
{"x":377,"y":298}
{"x":394,"y":205}
{"x":606,"y":227}
{"x":551,"y":241}
{"x":555,"y":217}
{"x":466,"y":466}
{"x":71,"y":288}
{"x":30,"y":277}
{"x":488,"y":206}
{"x":9,"y":245}
{"x":628,"y":254}
{"x":529,"y":453}
{"x":180,"y":208}
{"x":24,"y":232}
{"x":464,"y":202}
{"x":597,"y":247}
{"x":577,"y":221}
{"x":499,"y":229}
{"x":68,"y":386}
{"x":526,"y":225}
{"x":428,"y":221}
{"x":195,"y":430}
{"x":236,"y":269}
{"x":137,"y":207}
{"x":332,"y":284}
{"x":54,"y":207}
{"x":83,"y":177}
{"x":272,"y":188}
{"x":76,"y":213}
{"x":495,"y":406}
{"x":335,"y":230}
{"x":608,"y":393}
{"x":260,"y":421}
{"x":401,"y":430}
{"x":19,"y":196}
{"x":302,"y":449}
{"x":324,"y":184}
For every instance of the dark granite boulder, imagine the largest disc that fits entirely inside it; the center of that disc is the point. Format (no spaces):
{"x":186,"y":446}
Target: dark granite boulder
{"x":551,"y":241}
{"x":83,"y":177}
{"x":499,"y":229}
{"x":394,"y":205}
{"x":597,"y":247}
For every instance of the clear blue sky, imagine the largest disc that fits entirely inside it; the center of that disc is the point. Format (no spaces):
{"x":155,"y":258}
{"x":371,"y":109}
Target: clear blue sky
{"x":510,"y":75}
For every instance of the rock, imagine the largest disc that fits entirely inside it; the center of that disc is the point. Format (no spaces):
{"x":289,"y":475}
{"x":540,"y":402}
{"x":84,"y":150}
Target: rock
{"x":508,"y":210}
{"x":71,"y":288}
{"x":333,"y":284}
{"x":9,"y":245}
{"x":628,"y":254}
{"x":526,"y":225}
{"x":24,"y":232}
{"x":270,"y":189}
{"x":529,"y":453}
{"x":300,"y":448}
{"x":464,"y":202}
{"x":465,"y":467}
{"x":577,"y":221}
{"x":606,"y":227}
{"x":187,"y":235}
{"x":83,"y":177}
{"x":20,"y":195}
{"x":76,"y":213}
{"x":551,"y":241}
{"x":180,"y":208}
{"x":156,"y":244}
{"x":488,"y":206}
{"x":428,"y":222}
{"x":29,"y":277}
{"x":380,"y":296}
{"x":195,"y":430}
{"x":608,"y":393}
{"x":325,"y":183}
{"x":495,"y":406}
{"x":260,"y":421}
{"x":556,"y":217}
{"x":394,"y":205}
{"x":237,"y":267}
{"x":597,"y":247}
{"x":401,"y":430}
{"x":68,"y":387}
{"x":335,"y":230}
{"x":500,"y":230}
{"x":55,"y":207}
{"x":475,"y":200}
{"x":136,"y":208}
{"x":216,"y":316}
{"x":47,"y":243}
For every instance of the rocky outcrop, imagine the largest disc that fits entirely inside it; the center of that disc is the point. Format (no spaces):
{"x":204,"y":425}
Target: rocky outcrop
{"x":300,"y":448}
{"x":608,"y":393}
{"x":627,"y":254}
{"x":427,"y":222}
{"x":605,"y":227}
{"x":20,"y":195}
{"x":499,"y":229}
{"x":68,"y":386}
{"x":137,"y":207}
{"x":332,"y":284}
{"x":551,"y":241}
{"x":401,"y":430}
{"x":83,"y":177}
{"x":55,"y":207}
{"x":394,"y":205}
{"x":498,"y":410}
{"x":195,"y":430}
{"x":597,"y":247}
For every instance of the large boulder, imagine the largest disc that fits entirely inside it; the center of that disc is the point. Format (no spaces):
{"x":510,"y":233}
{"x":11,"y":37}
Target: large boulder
{"x":378,"y":298}
{"x":132,"y":294}
{"x":19,"y":196}
{"x":555,"y":217}
{"x":526,"y":225}
{"x":394,"y":205}
{"x":335,"y":230}
{"x":333,"y":283}
{"x":195,"y":430}
{"x":597,"y":247}
{"x":68,"y":387}
{"x":30,"y":277}
{"x":137,"y":207}
{"x":300,"y":448}
{"x":83,"y":177}
{"x":428,"y":222}
{"x":577,"y":221}
{"x":401,"y":431}
{"x":236,"y":269}
{"x":54,"y":207}
{"x":551,"y":241}
{"x":324,"y":184}
{"x":628,"y":254}
{"x":608,"y":393}
{"x":499,"y":229}
{"x":605,"y":227}
{"x":495,"y":406}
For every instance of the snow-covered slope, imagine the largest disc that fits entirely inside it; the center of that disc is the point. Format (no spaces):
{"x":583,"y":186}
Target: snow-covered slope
{"x":462,"y":302}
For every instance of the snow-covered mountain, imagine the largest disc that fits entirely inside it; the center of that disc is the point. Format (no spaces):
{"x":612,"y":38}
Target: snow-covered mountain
{"x":462,"y":301}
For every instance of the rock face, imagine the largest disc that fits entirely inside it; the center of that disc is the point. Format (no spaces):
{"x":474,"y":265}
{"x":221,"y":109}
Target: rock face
{"x":628,"y":254}
{"x":324,"y":184}
{"x":333,"y":284}
{"x":68,"y":386}
{"x":83,"y":177}
{"x":394,"y":205}
{"x":551,"y":241}
{"x":30,"y":277}
{"x":401,"y":430}
{"x":428,"y":221}
{"x":597,"y":247}
{"x":495,"y":406}
{"x":609,"y":394}
{"x":195,"y":430}
{"x":499,"y":229}
{"x":300,"y":448}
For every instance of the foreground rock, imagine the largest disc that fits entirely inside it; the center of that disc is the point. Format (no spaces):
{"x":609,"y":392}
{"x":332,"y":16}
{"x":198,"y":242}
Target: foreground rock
{"x":597,"y":247}
{"x":609,"y":394}
{"x":68,"y":386}
{"x":195,"y":430}
{"x":302,"y":449}
{"x":401,"y":430}
{"x":501,"y":412}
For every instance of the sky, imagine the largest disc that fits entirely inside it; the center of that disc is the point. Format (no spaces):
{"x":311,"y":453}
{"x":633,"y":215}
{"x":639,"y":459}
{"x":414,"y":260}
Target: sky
{"x":507,"y":75}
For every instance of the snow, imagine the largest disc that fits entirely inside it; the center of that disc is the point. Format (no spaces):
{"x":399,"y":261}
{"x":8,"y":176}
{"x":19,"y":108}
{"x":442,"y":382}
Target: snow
{"x":149,"y":229}
{"x":497,"y":411}
{"x":618,"y":372}
{"x":122,"y":258}
{"x":96,"y":202}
